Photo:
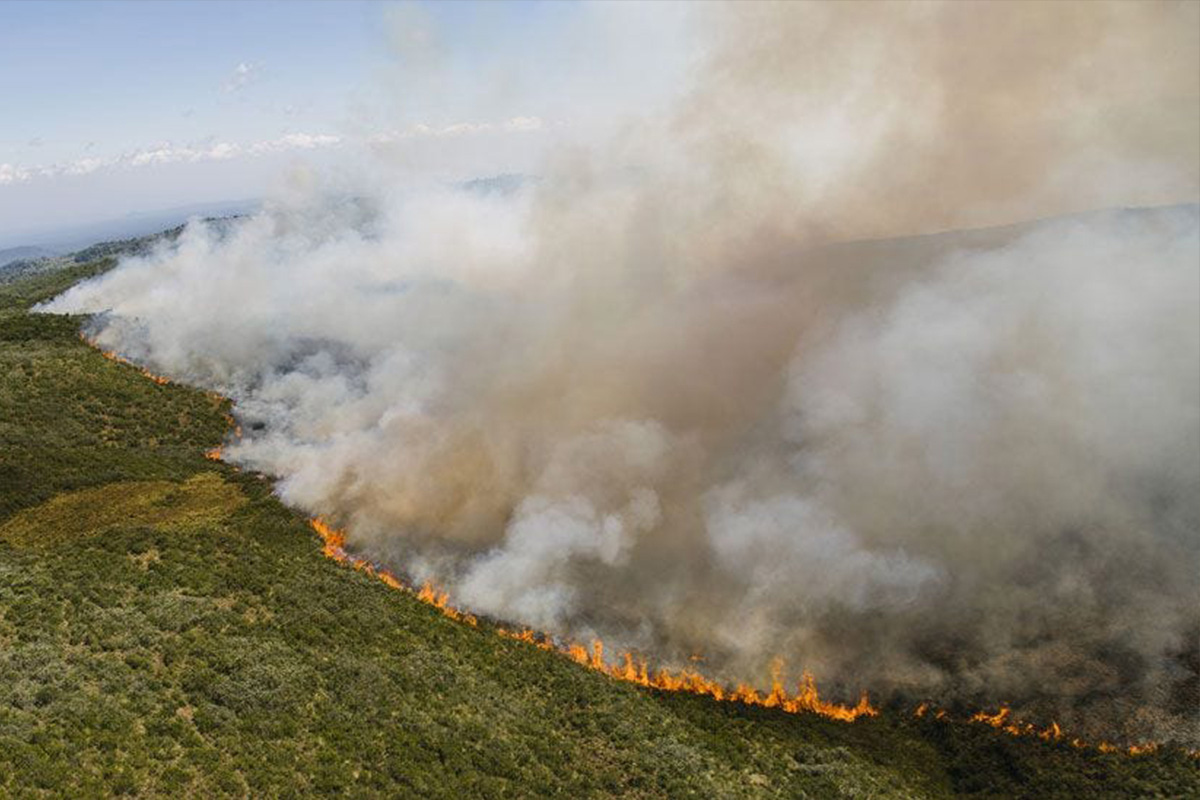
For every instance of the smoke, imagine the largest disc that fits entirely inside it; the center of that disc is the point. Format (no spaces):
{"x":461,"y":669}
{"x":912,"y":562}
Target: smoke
{"x":659,"y":396}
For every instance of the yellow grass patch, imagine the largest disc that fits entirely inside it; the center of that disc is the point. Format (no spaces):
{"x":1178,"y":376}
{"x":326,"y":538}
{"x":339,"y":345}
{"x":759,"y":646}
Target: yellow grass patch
{"x":203,"y":499}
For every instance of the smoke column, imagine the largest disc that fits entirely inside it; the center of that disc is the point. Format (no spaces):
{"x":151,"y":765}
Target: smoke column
{"x":755,"y":377}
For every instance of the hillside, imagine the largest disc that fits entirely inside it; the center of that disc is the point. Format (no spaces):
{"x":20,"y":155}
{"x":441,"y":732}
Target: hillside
{"x":37,"y":261}
{"x":168,"y":628}
{"x":23,"y":253}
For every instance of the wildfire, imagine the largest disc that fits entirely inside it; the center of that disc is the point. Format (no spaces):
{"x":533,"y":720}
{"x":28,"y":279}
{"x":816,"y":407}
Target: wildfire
{"x":112,"y":356}
{"x":212,"y":454}
{"x":1003,"y":720}
{"x":637,"y":671}
{"x":627,"y":668}
{"x":631,"y":669}
{"x":335,"y":548}
{"x":806,"y":698}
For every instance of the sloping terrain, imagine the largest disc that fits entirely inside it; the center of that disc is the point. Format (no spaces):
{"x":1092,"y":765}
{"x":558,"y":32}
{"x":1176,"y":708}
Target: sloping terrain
{"x":168,"y":628}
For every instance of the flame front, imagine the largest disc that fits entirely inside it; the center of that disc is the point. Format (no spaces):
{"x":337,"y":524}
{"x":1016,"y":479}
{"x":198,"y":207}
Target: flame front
{"x":630,"y":669}
{"x":806,"y":698}
{"x":334,"y":546}
{"x":1003,"y":720}
{"x":112,"y":356}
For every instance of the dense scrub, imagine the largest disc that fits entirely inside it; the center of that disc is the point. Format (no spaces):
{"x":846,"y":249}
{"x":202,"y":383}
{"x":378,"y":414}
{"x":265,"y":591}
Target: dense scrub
{"x":168,"y":628}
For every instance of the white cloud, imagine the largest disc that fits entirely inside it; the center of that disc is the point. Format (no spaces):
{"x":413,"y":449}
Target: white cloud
{"x":524,"y":124}
{"x":169,"y":153}
{"x":11,"y":173}
{"x":422,"y":131}
{"x":296,"y":141}
{"x":243,"y":74}
{"x":83,"y":166}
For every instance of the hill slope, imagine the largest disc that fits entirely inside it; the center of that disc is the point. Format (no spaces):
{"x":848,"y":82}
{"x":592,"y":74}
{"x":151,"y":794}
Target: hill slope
{"x":168,"y":628}
{"x":10,"y":254}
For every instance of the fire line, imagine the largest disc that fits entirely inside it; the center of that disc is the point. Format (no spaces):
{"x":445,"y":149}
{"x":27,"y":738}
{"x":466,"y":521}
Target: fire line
{"x":632,"y":670}
{"x":806,"y":699}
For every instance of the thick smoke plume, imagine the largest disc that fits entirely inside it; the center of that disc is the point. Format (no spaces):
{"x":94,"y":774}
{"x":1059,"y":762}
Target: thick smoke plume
{"x":659,"y":395}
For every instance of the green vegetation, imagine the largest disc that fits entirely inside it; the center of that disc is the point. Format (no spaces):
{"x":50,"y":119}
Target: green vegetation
{"x":168,"y":628}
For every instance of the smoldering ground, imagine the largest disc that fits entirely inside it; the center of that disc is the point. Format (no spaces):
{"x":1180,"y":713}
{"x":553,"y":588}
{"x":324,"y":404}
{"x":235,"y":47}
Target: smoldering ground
{"x":663,"y":396}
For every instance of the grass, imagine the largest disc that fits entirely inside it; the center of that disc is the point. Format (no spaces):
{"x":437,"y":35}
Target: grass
{"x":168,"y":628}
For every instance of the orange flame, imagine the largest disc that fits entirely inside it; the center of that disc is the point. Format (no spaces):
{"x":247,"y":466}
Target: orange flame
{"x":631,"y":670}
{"x":806,"y":698}
{"x":213,"y":454}
{"x":112,"y":356}
{"x":626,"y":669}
{"x":1002,"y":720}
{"x":334,"y":547}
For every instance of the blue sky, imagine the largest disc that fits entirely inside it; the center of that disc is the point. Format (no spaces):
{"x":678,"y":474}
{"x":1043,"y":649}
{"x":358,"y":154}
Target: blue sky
{"x":103,"y":72}
{"x":118,"y":107}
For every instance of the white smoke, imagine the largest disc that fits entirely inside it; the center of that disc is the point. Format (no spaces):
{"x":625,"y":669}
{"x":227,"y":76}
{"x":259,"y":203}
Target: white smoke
{"x":644,"y":397}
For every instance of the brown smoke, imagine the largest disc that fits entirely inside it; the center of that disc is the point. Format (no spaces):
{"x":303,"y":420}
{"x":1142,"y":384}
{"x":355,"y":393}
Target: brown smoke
{"x":652,"y":397}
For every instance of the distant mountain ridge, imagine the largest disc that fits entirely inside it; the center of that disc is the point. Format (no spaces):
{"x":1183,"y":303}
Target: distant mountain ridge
{"x":25,"y":253}
{"x":70,"y":238}
{"x":23,"y":267}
